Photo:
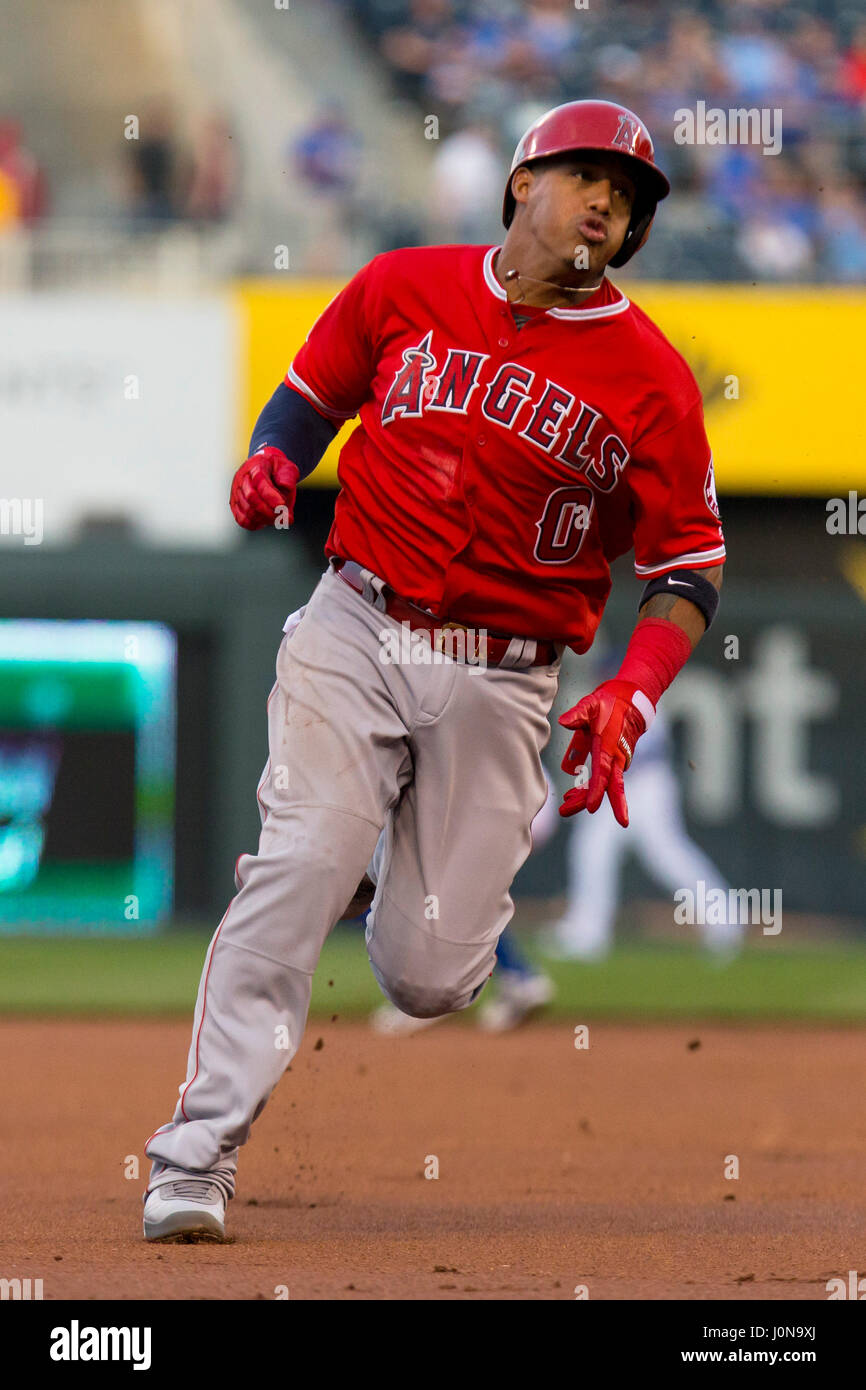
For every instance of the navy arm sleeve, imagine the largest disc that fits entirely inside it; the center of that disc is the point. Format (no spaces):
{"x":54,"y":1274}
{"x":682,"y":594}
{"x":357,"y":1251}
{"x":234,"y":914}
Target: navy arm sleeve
{"x":290,"y":423}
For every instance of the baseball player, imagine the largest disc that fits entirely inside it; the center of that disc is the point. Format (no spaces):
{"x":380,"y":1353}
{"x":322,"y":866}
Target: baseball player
{"x":658,"y":836}
{"x":521,"y":424}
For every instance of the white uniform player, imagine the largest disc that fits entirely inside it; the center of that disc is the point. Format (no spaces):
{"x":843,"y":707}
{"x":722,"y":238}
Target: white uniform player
{"x":657,"y":835}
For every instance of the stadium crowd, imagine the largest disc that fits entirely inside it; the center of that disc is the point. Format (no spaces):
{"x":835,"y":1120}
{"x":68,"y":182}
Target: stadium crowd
{"x":485,"y":68}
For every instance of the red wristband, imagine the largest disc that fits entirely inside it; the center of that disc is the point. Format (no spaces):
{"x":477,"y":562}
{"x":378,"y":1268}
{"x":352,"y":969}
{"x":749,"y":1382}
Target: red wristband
{"x":657,"y":651}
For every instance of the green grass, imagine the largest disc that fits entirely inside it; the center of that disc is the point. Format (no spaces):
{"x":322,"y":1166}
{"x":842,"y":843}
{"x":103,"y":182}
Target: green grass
{"x":159,"y":976}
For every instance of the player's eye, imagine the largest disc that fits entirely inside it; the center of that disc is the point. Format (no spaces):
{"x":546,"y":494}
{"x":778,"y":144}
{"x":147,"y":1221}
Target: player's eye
{"x":589,"y":175}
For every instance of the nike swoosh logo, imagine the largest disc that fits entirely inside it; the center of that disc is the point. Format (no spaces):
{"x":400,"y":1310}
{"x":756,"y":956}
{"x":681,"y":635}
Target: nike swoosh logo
{"x":683,"y":582}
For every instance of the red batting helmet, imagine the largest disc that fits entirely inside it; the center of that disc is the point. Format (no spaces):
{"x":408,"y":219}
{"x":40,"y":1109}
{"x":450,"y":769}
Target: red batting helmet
{"x":597,"y":125}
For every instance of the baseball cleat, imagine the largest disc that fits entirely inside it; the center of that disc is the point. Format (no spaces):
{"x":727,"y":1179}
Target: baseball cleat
{"x":561,"y":942}
{"x":187,"y":1209}
{"x":723,"y":942}
{"x":518,"y":999}
{"x":364,"y":895}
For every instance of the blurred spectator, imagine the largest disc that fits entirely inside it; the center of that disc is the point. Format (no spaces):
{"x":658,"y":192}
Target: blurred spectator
{"x":816,"y":49}
{"x":852,"y":73}
{"x":688,"y":63}
{"x":756,"y":62}
{"x":212,"y":189}
{"x":552,"y":29}
{"x":466,"y":186}
{"x":776,"y":231}
{"x":326,"y":153}
{"x":784,"y":193}
{"x":733,"y":175}
{"x":411,"y":48}
{"x":327,"y":159}
{"x":22,"y":185}
{"x":842,"y":233}
{"x":774,"y":249}
{"x":820,"y":159}
{"x":154,"y":165}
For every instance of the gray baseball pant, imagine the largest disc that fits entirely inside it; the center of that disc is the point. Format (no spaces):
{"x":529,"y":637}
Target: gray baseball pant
{"x":436,"y":768}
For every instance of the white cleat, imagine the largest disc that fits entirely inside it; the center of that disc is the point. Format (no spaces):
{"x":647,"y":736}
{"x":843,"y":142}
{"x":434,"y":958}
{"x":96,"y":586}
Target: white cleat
{"x":723,"y":942}
{"x":187,"y":1209}
{"x":519,"y":997}
{"x":558,"y":943}
{"x":391,"y":1022}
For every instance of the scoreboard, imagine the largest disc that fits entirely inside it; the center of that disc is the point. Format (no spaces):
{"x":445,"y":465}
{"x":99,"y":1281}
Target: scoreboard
{"x":87,"y":775}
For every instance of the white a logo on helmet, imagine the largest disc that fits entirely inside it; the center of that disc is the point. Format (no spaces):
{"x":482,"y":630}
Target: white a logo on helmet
{"x":627,"y":133}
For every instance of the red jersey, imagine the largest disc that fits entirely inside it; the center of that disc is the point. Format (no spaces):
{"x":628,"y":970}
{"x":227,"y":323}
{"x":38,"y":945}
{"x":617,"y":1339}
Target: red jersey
{"x":497,"y":470}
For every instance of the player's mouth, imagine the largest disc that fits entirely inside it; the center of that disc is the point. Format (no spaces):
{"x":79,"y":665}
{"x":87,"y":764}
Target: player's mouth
{"x":593,"y":230}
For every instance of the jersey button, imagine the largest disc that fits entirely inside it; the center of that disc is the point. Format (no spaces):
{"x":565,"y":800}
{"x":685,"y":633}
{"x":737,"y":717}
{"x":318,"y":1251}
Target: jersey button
{"x":481,"y":440}
{"x":503,"y":342}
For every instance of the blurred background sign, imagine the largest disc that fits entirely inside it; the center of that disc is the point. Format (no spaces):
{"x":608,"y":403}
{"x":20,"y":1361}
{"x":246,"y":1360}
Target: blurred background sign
{"x":131,"y":407}
{"x":762,"y":359}
{"x":87,"y":723}
{"x":768,"y":361}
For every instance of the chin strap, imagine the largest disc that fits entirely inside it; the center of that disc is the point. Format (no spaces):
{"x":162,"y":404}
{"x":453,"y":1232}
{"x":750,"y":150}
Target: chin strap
{"x":513,"y":275}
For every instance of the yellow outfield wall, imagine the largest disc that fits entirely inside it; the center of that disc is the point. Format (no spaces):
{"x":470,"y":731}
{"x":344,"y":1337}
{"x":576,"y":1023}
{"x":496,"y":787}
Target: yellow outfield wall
{"x":780,"y":371}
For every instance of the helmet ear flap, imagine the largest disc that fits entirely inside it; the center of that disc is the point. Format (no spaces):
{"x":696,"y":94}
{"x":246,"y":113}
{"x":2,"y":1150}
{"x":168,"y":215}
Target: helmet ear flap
{"x":635,"y":238}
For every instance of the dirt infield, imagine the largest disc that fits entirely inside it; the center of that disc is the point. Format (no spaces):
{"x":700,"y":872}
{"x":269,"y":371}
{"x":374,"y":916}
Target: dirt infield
{"x":558,"y":1167}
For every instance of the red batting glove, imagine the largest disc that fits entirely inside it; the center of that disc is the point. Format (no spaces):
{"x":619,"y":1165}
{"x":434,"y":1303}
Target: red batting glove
{"x":608,"y":725}
{"x":266,"y":482}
